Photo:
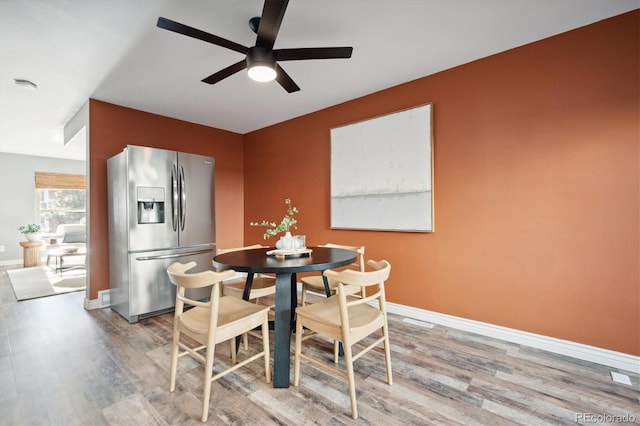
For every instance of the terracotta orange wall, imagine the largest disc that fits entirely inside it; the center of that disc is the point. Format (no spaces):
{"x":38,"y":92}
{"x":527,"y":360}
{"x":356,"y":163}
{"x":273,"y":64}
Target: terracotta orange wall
{"x":113,"y":127}
{"x":536,"y":187}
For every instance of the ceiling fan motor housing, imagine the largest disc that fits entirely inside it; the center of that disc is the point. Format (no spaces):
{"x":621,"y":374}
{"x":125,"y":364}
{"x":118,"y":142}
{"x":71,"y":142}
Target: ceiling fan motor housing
{"x":261,"y":56}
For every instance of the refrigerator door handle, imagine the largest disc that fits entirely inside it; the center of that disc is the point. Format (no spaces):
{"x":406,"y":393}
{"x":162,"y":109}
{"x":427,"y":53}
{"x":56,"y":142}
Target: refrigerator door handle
{"x":172,"y":256}
{"x":174,"y":198}
{"x":183,"y":199}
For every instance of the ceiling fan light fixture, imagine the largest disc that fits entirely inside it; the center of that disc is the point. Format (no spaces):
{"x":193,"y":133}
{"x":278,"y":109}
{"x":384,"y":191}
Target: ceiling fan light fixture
{"x":261,"y":64}
{"x":261,"y":73}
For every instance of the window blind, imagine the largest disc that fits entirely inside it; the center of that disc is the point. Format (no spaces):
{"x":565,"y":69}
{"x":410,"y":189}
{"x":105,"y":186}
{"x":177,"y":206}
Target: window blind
{"x":46,"y":180}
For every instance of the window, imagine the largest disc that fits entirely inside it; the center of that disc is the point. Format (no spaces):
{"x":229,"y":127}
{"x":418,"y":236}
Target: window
{"x":61,"y":199}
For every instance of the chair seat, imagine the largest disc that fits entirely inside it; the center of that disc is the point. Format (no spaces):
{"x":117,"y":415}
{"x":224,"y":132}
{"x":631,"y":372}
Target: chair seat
{"x":316,"y":283}
{"x":260,"y":286}
{"x":327,"y":312}
{"x":231,"y":309}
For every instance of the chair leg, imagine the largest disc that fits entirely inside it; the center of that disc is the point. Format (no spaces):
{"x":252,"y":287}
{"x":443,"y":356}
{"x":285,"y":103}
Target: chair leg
{"x":387,"y":353}
{"x":348,"y":360}
{"x":336,"y":351}
{"x":265,"y":348}
{"x":232,"y":346}
{"x":175,"y":349}
{"x":208,"y":372}
{"x":298,"y":350}
{"x":303,"y":295}
{"x":245,"y":341}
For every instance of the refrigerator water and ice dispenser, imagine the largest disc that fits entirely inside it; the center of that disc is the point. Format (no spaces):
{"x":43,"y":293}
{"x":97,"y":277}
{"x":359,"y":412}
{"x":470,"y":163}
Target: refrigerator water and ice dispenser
{"x":150,"y":204}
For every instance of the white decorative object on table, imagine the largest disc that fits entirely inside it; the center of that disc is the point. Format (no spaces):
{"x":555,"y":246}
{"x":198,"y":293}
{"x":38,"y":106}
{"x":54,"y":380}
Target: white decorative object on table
{"x":290,"y":242}
{"x":300,"y":242}
{"x":286,"y":242}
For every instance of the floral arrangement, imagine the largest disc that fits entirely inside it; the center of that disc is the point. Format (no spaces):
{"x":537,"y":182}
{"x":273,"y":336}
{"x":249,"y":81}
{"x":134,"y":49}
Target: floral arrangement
{"x":31,"y":228}
{"x":288,"y":221}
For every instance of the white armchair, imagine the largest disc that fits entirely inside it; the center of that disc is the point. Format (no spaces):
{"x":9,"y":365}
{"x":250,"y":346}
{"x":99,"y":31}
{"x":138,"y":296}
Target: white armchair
{"x":67,"y":236}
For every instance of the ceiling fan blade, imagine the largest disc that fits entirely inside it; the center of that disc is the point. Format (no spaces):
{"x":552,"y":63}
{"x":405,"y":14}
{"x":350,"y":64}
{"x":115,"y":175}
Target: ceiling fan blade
{"x":226,"y":72}
{"x":272,"y":14}
{"x":285,"y":81}
{"x":313,"y":53}
{"x":179,"y":28}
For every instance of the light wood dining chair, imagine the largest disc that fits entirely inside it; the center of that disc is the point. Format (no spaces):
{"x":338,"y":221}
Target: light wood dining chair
{"x":261,"y":286}
{"x":220,"y":319}
{"x":315,"y":283}
{"x":348,"y":319}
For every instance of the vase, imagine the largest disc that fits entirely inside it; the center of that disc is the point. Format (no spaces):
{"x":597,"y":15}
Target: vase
{"x":33,"y":236}
{"x":286,"y":242}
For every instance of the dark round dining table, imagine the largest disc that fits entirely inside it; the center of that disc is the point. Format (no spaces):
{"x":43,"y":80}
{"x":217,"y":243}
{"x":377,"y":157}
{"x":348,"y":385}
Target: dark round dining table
{"x":253,"y":261}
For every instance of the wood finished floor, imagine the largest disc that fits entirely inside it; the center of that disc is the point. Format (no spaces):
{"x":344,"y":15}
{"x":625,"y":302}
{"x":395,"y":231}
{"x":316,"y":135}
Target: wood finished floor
{"x":63,"y":365}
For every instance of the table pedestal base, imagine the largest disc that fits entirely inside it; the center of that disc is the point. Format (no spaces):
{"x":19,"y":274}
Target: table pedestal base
{"x":286,"y":301}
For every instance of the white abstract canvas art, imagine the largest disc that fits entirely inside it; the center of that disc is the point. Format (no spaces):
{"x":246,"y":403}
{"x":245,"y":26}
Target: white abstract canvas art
{"x":382,"y":173}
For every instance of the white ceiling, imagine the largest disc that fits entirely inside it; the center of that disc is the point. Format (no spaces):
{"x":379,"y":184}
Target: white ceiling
{"x":111,"y":50}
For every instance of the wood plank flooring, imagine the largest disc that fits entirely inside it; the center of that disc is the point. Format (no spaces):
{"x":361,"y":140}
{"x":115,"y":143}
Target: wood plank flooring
{"x":63,"y":365}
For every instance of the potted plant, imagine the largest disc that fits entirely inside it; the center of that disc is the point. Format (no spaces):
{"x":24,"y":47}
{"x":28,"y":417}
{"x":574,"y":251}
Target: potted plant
{"x":287,"y":242}
{"x":32,"y":231}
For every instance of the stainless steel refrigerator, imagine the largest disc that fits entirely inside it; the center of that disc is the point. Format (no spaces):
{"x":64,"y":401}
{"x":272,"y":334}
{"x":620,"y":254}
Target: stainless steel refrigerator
{"x":161,"y":209}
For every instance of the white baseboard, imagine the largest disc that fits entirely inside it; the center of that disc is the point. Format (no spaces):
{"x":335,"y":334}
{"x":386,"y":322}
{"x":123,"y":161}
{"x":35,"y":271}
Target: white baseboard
{"x":103,"y":301}
{"x":91,"y":304}
{"x":581,"y":351}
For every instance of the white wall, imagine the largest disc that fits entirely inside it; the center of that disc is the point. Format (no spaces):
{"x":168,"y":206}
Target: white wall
{"x":17,"y":196}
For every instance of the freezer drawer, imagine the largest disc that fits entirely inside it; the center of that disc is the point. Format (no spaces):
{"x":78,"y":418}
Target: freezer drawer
{"x":148,"y":291}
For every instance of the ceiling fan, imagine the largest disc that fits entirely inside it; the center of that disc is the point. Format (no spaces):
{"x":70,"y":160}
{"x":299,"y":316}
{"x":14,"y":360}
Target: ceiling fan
{"x":262,"y":59}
